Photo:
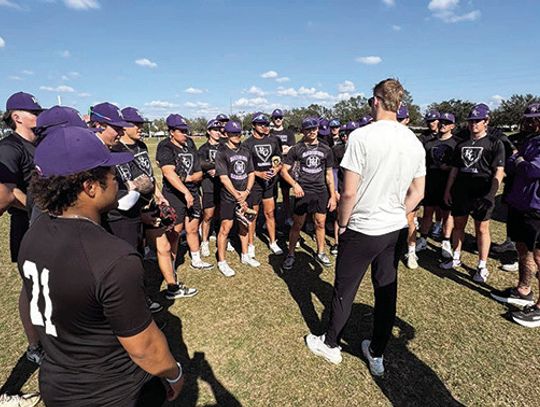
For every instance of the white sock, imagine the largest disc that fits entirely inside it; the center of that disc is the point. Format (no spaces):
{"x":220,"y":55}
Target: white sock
{"x":481,"y":264}
{"x":412,"y":248}
{"x":222,"y":263}
{"x":196,"y":255}
{"x":457,"y":255}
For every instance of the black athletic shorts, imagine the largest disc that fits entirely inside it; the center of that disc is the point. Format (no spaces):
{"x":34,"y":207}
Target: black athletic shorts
{"x":18,"y":226}
{"x":210,"y":199}
{"x":435,"y":187}
{"x":226,"y":210}
{"x":524,"y":227}
{"x":259,"y":193}
{"x":178,"y":202}
{"x":128,"y":229}
{"x":467,"y":195}
{"x":311,"y":202}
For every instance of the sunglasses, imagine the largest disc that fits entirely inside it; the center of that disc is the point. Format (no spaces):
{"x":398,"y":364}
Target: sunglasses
{"x":372,"y":99}
{"x":278,"y":118}
{"x":262,"y":124}
{"x":474,"y":121}
{"x":445,"y":123}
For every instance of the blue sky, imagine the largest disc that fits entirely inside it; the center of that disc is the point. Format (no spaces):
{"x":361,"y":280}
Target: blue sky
{"x":208,"y":56}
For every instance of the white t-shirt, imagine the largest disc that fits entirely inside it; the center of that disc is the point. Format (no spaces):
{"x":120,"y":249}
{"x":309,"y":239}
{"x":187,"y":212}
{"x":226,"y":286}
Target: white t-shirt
{"x":388,"y":156}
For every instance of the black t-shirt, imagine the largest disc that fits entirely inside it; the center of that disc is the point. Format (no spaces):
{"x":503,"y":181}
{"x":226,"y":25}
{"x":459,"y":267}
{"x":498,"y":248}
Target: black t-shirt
{"x":207,"y":156}
{"x":312,"y":162}
{"x":439,"y":153}
{"x":286,"y":136}
{"x":509,"y":147}
{"x":263,"y":151}
{"x":140,"y":165}
{"x":85,"y":288}
{"x":426,"y":137}
{"x":338,"y":152}
{"x":186,"y":162}
{"x":478,"y":159}
{"x":235,"y":164}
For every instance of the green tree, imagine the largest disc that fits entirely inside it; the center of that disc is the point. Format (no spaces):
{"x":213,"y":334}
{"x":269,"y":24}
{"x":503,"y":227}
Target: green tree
{"x":197,"y":125}
{"x":511,"y":110}
{"x":414,"y":110}
{"x":459,"y":108}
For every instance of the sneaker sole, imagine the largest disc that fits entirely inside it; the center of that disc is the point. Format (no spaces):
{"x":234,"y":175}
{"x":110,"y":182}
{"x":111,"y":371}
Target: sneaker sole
{"x":317,"y":352}
{"x":324,"y":264}
{"x":247,"y":264}
{"x":513,"y":301}
{"x":155,"y":311}
{"x":174,"y":297}
{"x":365,"y":350}
{"x":526,"y":324}
{"x":201,"y":268}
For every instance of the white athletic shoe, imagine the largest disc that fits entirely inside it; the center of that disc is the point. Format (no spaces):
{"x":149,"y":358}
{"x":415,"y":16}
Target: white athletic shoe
{"x":230,"y":247}
{"x":275,"y":248}
{"x":481,"y":275}
{"x":205,"y":249}
{"x":251,"y":250}
{"x":317,"y":346}
{"x":24,"y":400}
{"x":201,"y":265}
{"x":446,"y":250}
{"x":376,"y":365}
{"x":225,"y":269}
{"x":412,"y":261}
{"x":511,"y":267}
{"x":250,"y":261}
{"x":421,"y":244}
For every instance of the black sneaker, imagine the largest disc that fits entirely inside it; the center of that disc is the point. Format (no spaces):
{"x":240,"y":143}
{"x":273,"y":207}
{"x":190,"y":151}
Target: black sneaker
{"x":179,"y":291}
{"x":153,"y":306}
{"x":528,"y":317}
{"x":334,"y":250}
{"x":512,"y":296}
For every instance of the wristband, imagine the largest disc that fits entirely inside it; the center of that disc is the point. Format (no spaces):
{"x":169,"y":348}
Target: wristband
{"x":342,"y":226}
{"x":248,"y":190}
{"x":174,"y":381}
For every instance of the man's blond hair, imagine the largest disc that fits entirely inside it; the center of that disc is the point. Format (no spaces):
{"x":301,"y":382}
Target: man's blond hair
{"x":389,"y":92}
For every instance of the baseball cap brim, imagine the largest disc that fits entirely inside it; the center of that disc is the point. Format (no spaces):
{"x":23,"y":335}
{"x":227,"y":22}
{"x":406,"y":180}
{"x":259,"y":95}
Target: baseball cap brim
{"x":477,"y":118}
{"x":118,"y":158}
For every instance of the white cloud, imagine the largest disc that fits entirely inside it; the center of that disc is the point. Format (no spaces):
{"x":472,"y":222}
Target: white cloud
{"x":27,"y":72}
{"x":445,"y":10}
{"x":160,"y":104}
{"x":389,"y":3}
{"x":320,"y":95}
{"x":194,"y":91}
{"x":65,"y":54}
{"x":15,"y":78}
{"x":254,"y":90}
{"x":251,"y":102}
{"x":369,"y":60}
{"x":146,"y":63}
{"x":2,"y":42}
{"x":82,"y":4}
{"x":306,"y":91}
{"x":58,"y":89}
{"x":283,"y":79}
{"x":496,"y":101}
{"x":346,"y":86}
{"x":396,"y":27}
{"x":269,"y":75}
{"x":287,"y":92}
{"x":9,"y":3}
{"x":84,"y":94}
{"x":197,"y":104}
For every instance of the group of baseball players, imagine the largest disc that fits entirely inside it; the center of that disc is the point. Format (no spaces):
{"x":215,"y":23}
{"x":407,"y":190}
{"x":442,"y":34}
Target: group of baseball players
{"x":84,"y":200}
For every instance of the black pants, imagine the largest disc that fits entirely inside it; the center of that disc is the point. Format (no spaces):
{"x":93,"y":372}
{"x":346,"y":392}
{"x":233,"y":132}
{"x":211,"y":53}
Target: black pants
{"x":356,"y":252}
{"x":18,"y":226}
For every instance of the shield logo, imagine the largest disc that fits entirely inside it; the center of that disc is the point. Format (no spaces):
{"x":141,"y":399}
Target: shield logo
{"x":186,"y":161}
{"x":143,"y":161}
{"x":471,"y":155}
{"x":263,"y":151}
{"x":239,"y":167}
{"x":312,"y":161}
{"x":440,"y":153}
{"x":212,"y":155}
{"x":124,"y":171}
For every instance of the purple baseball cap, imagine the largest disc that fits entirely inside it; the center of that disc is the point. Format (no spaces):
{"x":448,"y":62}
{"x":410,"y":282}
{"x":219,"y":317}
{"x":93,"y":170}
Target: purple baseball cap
{"x":23,"y":101}
{"x":479,"y":112}
{"x":133,"y":115}
{"x":533,"y":110}
{"x":403,"y":112}
{"x":447,"y":117}
{"x":59,"y":116}
{"x":277,"y":113}
{"x":222,"y":117}
{"x":324,"y":129}
{"x":310,"y":123}
{"x":351,"y":125}
{"x":175,"y":121}
{"x":260,"y":118}
{"x":432,"y":115}
{"x":213,"y":124}
{"x":334,"y":123}
{"x":364,"y":121}
{"x":109,"y":114}
{"x":233,"y":127}
{"x":71,"y":150}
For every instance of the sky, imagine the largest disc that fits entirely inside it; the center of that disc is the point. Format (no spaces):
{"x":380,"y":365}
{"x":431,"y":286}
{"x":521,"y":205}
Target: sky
{"x":203,"y":57}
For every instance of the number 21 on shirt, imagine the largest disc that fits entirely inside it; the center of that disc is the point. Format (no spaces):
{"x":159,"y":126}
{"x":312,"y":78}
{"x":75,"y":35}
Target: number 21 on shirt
{"x":31,"y":272}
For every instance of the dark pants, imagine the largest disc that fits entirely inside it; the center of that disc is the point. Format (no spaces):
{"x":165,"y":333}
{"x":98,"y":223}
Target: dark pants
{"x":18,"y":227}
{"x":356,"y":252}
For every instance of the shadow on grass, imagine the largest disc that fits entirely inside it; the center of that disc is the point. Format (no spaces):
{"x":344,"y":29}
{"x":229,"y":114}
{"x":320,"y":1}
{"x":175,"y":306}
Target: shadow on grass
{"x":195,"y":368}
{"x":19,"y":375}
{"x":408,"y":380}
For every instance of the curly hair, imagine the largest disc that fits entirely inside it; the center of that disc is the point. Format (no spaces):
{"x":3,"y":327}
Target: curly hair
{"x":390,"y":93}
{"x":57,"y":193}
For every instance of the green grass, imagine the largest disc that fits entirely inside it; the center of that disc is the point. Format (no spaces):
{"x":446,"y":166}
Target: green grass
{"x":242,"y":338}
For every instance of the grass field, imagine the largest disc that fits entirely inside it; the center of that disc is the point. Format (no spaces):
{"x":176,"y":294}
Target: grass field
{"x":241,"y":339}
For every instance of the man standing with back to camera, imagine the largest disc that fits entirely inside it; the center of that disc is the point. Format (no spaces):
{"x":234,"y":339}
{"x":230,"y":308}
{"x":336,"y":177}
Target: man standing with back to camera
{"x":372,"y":220}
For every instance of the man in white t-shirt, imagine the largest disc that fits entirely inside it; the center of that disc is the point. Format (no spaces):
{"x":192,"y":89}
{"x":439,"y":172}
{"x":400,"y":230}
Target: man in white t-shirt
{"x":384,"y":170}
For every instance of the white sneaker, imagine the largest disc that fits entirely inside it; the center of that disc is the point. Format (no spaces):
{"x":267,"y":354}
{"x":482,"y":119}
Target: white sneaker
{"x":450,"y":264}
{"x":201,"y":265}
{"x":250,"y":261}
{"x":481,"y":275}
{"x":24,"y":400}
{"x":251,"y":250}
{"x":446,"y":250}
{"x":275,"y":248}
{"x":316,"y":345}
{"x":421,"y":244}
{"x":225,"y":269}
{"x":412,"y":261}
{"x":205,"y":249}
{"x":376,"y":365}
{"x":230,"y":247}
{"x":212,"y":238}
{"x":510,"y":267}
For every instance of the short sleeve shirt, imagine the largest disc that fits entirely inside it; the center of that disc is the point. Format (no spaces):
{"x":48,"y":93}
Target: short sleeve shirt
{"x":286,"y":136}
{"x":207,"y":154}
{"x":478,"y":158}
{"x":85,"y":288}
{"x":264,"y":151}
{"x":235,"y":164}
{"x":16,"y":161}
{"x":439,"y":153}
{"x":311,"y":162}
{"x":185,"y":160}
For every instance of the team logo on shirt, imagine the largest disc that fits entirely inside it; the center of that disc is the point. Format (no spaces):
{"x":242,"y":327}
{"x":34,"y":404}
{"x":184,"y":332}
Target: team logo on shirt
{"x":186,"y":161}
{"x":239,"y":167}
{"x":312,"y":164}
{"x":144,"y":162}
{"x":124,"y":171}
{"x":440,"y":153}
{"x":471,"y":155}
{"x":263,"y":151}
{"x":212,"y":155}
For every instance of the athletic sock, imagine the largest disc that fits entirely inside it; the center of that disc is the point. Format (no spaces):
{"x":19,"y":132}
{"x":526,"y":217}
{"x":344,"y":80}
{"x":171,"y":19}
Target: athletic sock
{"x":482,"y":264}
{"x":195,"y":256}
{"x":457,"y":255}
